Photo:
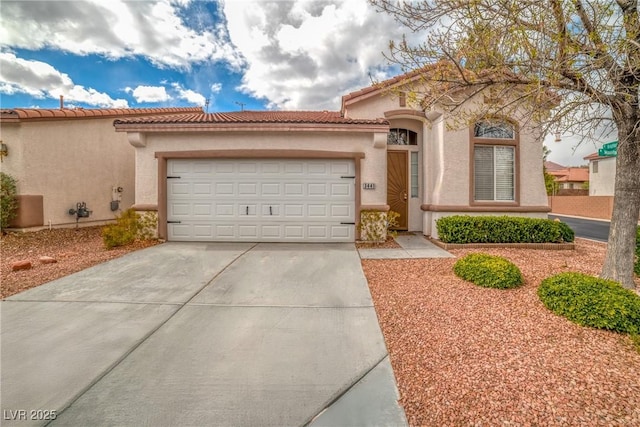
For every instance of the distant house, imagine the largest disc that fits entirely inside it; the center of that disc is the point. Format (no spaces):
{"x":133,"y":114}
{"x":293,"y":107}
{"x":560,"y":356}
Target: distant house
{"x":288,"y":176}
{"x":62,"y":158}
{"x":571,"y":178}
{"x":602,"y":174}
{"x":552,"y":166}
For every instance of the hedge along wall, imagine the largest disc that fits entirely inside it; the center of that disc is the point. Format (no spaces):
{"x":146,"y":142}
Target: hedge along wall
{"x":466,"y":229}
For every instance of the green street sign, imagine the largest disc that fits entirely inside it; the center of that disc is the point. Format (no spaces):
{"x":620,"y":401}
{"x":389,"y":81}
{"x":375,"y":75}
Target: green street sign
{"x":610,"y":146}
{"x":603,"y":152}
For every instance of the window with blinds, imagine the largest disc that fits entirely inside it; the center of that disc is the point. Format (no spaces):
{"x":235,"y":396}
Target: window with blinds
{"x":494,"y":173}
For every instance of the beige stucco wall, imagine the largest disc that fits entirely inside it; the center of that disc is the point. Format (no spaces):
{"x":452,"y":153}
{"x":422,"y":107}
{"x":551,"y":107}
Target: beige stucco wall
{"x":602,"y":183}
{"x":445,"y":159}
{"x":70,"y":161}
{"x":373,"y":165}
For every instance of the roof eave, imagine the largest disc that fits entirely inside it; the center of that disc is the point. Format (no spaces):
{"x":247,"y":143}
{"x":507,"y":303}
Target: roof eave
{"x":252,"y":127}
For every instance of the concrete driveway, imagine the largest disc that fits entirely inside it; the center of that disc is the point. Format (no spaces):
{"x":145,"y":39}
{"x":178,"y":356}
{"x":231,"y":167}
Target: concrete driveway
{"x":201,"y":334}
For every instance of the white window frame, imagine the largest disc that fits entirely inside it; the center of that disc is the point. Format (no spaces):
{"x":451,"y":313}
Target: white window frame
{"x":496,"y":169}
{"x":500,"y":136}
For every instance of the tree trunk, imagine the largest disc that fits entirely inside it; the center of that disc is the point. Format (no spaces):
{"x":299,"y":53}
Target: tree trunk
{"x":618,"y":264}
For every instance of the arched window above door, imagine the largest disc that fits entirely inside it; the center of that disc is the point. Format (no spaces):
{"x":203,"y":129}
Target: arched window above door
{"x":399,"y":136}
{"x":494,"y":130}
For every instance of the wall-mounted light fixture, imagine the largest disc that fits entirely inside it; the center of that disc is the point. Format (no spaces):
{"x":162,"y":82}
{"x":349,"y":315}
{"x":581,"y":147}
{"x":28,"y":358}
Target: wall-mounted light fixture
{"x":4,"y":150}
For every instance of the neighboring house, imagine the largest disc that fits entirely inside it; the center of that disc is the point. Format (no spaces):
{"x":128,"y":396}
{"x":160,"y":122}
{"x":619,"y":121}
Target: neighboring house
{"x":552,"y":166}
{"x":571,"y":178}
{"x":65,"y":157}
{"x":307,"y":175}
{"x":602,"y":174}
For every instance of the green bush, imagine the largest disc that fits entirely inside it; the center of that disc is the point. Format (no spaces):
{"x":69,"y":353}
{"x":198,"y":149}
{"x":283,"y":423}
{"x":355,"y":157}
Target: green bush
{"x":128,"y":227}
{"x":502,"y":229}
{"x":566,"y":232}
{"x":8,"y":201}
{"x":591,"y":301}
{"x":488,"y":271}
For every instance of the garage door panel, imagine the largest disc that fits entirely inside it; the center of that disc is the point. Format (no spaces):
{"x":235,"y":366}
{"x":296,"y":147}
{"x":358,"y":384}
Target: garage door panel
{"x":316,"y":168}
{"x":200,"y":188}
{"x":318,"y":189}
{"x":293,"y":211}
{"x":202,"y":209}
{"x":222,"y":168}
{"x":248,"y":231}
{"x":202,"y":167}
{"x":317,"y":211}
{"x":343,"y":167}
{"x":225,"y":209}
{"x":270,"y":189}
{"x":179,"y":188}
{"x":250,"y":168}
{"x":293,"y":189}
{"x":248,"y":189}
{"x":224,"y":189}
{"x":179,"y":209}
{"x":341,"y":189}
{"x":261,"y":200}
{"x":342,"y":211}
{"x":293,"y":168}
{"x":270,"y":168}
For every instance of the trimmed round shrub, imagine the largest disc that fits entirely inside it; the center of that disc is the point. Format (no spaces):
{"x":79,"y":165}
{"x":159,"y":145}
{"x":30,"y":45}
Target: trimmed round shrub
{"x":488,"y":271}
{"x":592,"y":301}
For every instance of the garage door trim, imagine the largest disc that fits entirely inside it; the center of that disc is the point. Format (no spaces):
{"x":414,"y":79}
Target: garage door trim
{"x":163,"y":157}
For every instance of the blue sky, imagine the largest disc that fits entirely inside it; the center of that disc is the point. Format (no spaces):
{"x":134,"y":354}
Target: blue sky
{"x":262,"y":54}
{"x":251,"y":54}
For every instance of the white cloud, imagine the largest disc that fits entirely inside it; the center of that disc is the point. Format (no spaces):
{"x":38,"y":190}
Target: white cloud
{"x":115,"y":29}
{"x":41,"y":80}
{"x":149,"y":93}
{"x":189,"y":95}
{"x":216,"y":88}
{"x":307,"y":54}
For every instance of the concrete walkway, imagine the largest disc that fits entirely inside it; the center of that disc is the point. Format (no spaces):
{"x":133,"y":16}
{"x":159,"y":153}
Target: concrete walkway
{"x":412,"y":246}
{"x":201,"y":334}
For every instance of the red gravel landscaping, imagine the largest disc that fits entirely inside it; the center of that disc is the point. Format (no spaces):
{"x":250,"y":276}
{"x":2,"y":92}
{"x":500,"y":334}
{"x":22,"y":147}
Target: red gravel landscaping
{"x":465,"y":355}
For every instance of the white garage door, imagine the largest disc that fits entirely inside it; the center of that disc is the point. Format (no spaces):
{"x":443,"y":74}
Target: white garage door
{"x":261,"y":200}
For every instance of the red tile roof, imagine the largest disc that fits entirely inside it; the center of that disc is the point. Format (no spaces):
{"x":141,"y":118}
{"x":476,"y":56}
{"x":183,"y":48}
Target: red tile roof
{"x":19,"y":114}
{"x":254,"y":117}
{"x":571,"y":175}
{"x":596,"y":156}
{"x":552,"y":166}
{"x":402,"y":78}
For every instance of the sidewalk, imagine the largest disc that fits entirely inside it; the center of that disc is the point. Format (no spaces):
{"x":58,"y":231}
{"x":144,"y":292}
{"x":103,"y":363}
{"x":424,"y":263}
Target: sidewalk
{"x":412,"y":246}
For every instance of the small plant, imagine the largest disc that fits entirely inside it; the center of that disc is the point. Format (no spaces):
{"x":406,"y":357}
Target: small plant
{"x":375,"y":225}
{"x":488,"y":271}
{"x":128,"y":228}
{"x":8,"y":201}
{"x":592,"y":301}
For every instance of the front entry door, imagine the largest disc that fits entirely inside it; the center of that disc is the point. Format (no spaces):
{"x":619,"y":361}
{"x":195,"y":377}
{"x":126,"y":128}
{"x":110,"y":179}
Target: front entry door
{"x":397,"y":186}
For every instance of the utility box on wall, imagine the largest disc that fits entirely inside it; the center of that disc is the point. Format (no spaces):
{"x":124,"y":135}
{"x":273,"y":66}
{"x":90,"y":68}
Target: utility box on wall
{"x":30,"y":211}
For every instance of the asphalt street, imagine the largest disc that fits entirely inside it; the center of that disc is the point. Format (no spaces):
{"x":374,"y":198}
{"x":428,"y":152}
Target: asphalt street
{"x":586,"y":228}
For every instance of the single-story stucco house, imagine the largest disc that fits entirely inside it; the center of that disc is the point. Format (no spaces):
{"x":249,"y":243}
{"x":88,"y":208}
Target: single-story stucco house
{"x":65,"y":159}
{"x":290,"y":176}
{"x":602,"y":174}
